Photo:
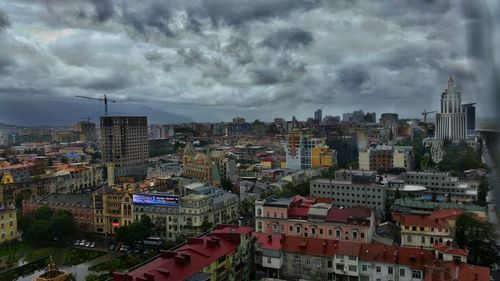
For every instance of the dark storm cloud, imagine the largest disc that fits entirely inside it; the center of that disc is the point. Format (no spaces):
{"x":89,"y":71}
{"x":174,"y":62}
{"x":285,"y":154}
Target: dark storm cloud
{"x":288,"y":38}
{"x":104,"y":9}
{"x":240,"y":12}
{"x":353,"y":77}
{"x":219,"y":57}
{"x":4,"y":21}
{"x":154,"y":16}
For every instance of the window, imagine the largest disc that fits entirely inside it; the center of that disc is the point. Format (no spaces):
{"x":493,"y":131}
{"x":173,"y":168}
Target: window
{"x":339,"y":266}
{"x":378,"y":269}
{"x":390,"y":270}
{"x":296,"y":259}
{"x":364,"y":267}
{"x":268,"y":260}
{"x":353,"y":268}
{"x":318,"y":262}
{"x":402,"y":272}
{"x":337,"y":233}
{"x":423,"y":239}
{"x":408,"y":238}
{"x":416,"y":274}
{"x":330,"y":263}
{"x":352,"y":258}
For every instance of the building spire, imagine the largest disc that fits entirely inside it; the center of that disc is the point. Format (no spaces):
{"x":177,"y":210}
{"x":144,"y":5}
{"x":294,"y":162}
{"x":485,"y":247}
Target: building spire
{"x":451,"y":82}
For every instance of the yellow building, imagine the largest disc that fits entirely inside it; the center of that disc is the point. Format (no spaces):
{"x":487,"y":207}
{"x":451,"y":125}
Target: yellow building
{"x":322,"y":157}
{"x":112,"y":208}
{"x":8,"y":224}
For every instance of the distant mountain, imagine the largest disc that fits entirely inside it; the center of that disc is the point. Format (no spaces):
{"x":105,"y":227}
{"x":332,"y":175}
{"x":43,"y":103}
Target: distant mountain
{"x":4,"y":126}
{"x":61,"y":112}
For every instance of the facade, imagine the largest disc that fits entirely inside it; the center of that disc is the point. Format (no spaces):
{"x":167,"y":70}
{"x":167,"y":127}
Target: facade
{"x":360,"y":191}
{"x":298,"y":148}
{"x":388,"y":120}
{"x":19,"y":172}
{"x":440,"y":184}
{"x":470,"y":110}
{"x":124,"y":141}
{"x":318,"y":115}
{"x":300,"y":258}
{"x":323,"y":157}
{"x":403,"y":157}
{"x":451,"y":122}
{"x":81,"y":176}
{"x":112,"y":208}
{"x":86,"y":131}
{"x":423,"y":230}
{"x":310,"y":217}
{"x":346,"y":147}
{"x":226,"y":253}
{"x":187,"y":215}
{"x":387,"y":156}
{"x":8,"y":224}
{"x":79,"y":205}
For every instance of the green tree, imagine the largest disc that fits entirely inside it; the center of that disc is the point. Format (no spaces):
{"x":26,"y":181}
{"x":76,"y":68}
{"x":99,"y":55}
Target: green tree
{"x":328,"y":173}
{"x":132,"y":234}
{"x":226,"y":184}
{"x":38,"y":231}
{"x":70,"y":277}
{"x":43,"y":213}
{"x":61,"y":224}
{"x":482,"y":191}
{"x":460,"y":157}
{"x":92,"y":277}
{"x":147,"y":222}
{"x":480,"y":238}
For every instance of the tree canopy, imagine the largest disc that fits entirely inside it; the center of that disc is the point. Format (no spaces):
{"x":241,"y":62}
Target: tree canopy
{"x":44,"y":224}
{"x":135,"y":232}
{"x":479,"y":238}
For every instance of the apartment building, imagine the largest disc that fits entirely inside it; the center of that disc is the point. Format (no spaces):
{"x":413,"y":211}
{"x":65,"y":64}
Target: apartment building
{"x":8,"y":224}
{"x":387,"y":156}
{"x":422,"y":230}
{"x":112,"y":208}
{"x":363,"y":190}
{"x":300,"y":258}
{"x":313,"y":217}
{"x":225,"y":253}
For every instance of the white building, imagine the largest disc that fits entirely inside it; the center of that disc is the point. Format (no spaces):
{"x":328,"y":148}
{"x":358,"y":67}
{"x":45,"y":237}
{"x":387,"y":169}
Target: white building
{"x":451,"y":123}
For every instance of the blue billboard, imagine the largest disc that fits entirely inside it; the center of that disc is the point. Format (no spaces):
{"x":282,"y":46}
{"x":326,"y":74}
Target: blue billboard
{"x":154,"y":199}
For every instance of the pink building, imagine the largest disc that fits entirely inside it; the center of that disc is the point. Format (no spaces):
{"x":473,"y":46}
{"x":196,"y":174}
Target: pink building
{"x":313,"y":217}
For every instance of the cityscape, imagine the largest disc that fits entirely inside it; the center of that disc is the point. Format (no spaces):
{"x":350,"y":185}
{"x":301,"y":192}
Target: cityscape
{"x":249,"y":140}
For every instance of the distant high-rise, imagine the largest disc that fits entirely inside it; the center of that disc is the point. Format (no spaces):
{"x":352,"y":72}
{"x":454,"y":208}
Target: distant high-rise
{"x":388,"y":119}
{"x":318,"y":115}
{"x":451,"y":123}
{"x":470,"y":110}
{"x":370,"y":117}
{"x":87,"y":130}
{"x":124,"y":142}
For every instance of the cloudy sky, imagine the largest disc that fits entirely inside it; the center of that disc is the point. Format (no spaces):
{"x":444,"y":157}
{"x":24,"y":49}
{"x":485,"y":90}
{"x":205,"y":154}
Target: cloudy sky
{"x":211,"y":60}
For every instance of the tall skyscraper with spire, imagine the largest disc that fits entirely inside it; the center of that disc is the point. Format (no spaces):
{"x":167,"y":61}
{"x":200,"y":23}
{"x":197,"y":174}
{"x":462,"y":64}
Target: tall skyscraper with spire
{"x":451,"y":123}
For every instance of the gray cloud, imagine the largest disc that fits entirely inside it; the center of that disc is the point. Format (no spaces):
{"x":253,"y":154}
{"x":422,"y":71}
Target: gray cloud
{"x":104,"y":9}
{"x":288,"y":38}
{"x":4,"y":20}
{"x":262,"y":57}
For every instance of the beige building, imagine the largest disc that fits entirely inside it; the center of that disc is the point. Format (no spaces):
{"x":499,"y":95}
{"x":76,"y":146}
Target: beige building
{"x":112,"y":208}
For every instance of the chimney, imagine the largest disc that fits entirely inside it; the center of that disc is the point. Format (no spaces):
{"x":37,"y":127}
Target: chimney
{"x":167,"y":254}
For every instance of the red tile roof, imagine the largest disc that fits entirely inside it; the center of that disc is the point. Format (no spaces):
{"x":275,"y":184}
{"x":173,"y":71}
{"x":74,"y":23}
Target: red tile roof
{"x":346,"y":215}
{"x":447,"y":214}
{"x":419,"y":220}
{"x":309,"y":246}
{"x":449,"y":249}
{"x":451,"y":271}
{"x":269,"y":241}
{"x":347,"y":248}
{"x":415,"y":258}
{"x":379,"y":253}
{"x":190,"y":258}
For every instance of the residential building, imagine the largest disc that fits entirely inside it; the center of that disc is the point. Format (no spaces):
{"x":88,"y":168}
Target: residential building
{"x":387,"y":156}
{"x":470,"y":111}
{"x":403,"y":157}
{"x":86,"y":131}
{"x":440,"y":184}
{"x":318,"y":115}
{"x":80,"y":206}
{"x":112,"y":208}
{"x":189,"y":214}
{"x":346,"y":147}
{"x":413,"y":206}
{"x":388,"y":120}
{"x":312,"y":217}
{"x":8,"y":224}
{"x":298,"y":148}
{"x":225,"y":253}
{"x":451,"y":122}
{"x":362,"y":190}
{"x":323,"y":157}
{"x":124,"y":141}
{"x":19,"y":172}
{"x":422,"y":230}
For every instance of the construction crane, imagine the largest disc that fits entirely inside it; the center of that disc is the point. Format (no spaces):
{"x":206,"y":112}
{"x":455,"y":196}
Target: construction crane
{"x":425,"y":113}
{"x":103,"y":99}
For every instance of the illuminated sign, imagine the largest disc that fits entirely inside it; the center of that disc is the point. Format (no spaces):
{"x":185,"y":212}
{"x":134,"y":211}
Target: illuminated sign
{"x":115,"y":223}
{"x":153,"y":199}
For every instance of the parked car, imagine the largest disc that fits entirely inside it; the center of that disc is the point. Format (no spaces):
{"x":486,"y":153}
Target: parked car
{"x":92,"y":245}
{"x":77,"y":242}
{"x":87,"y":244}
{"x":112,"y":247}
{"x":82,"y":243}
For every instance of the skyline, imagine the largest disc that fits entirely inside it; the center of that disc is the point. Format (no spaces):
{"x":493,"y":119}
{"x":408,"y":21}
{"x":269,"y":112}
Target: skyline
{"x":211,"y":61}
